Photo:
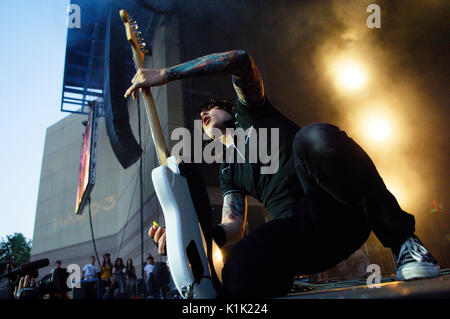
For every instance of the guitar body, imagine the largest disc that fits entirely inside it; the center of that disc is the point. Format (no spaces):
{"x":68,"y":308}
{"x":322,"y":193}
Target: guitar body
{"x":185,"y":243}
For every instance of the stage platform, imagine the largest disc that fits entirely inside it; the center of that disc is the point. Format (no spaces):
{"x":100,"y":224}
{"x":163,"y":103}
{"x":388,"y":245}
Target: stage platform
{"x":438,"y":287}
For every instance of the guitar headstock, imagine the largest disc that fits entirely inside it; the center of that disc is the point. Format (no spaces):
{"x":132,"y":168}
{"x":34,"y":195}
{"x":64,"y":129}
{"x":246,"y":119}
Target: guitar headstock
{"x":134,"y":36}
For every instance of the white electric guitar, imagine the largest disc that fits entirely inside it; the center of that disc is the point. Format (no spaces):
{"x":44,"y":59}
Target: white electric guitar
{"x":185,"y":243}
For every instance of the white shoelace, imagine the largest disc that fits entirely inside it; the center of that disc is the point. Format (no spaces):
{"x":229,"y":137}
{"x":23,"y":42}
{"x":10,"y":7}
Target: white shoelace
{"x":415,"y":249}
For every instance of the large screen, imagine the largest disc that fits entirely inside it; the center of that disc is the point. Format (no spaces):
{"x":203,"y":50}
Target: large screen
{"x":86,"y":177}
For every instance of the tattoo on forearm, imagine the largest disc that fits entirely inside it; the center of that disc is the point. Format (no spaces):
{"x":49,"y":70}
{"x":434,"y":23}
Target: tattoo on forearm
{"x":212,"y":64}
{"x":233,"y":206}
{"x":248,"y":84}
{"x":245,"y":75}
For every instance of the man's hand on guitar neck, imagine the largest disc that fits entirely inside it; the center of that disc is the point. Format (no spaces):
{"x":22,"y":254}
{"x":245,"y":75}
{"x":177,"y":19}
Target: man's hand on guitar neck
{"x":146,"y":78}
{"x":159,"y":236}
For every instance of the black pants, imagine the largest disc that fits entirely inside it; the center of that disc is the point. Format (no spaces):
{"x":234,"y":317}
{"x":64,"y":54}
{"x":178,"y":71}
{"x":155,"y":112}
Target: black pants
{"x":345,"y":200}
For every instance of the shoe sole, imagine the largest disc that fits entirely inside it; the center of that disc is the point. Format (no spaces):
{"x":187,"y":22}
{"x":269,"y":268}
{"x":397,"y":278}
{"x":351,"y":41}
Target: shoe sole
{"x":417,"y":272}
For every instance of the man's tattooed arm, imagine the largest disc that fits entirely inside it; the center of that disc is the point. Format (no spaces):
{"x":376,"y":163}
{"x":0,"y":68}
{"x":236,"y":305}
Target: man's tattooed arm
{"x":245,"y":75}
{"x":234,"y":215}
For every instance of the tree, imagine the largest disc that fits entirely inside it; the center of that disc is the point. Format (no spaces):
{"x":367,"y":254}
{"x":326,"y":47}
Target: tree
{"x":16,"y":248}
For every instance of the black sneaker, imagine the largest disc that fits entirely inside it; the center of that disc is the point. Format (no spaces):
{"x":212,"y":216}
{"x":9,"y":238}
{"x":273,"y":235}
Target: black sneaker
{"x":414,"y":261}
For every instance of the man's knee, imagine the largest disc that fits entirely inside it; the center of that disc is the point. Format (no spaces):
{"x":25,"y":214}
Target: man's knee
{"x":236,"y":273}
{"x":238,"y":282}
{"x":317,"y":138}
{"x":248,"y":275}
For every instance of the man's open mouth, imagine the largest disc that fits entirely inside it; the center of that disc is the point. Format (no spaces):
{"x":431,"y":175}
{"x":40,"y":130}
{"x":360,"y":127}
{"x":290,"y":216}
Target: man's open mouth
{"x":206,"y":120}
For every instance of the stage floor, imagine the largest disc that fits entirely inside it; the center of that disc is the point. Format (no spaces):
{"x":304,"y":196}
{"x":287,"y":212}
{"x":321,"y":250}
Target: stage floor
{"x":438,"y":287}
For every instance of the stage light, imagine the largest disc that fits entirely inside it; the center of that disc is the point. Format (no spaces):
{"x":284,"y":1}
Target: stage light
{"x":378,"y":129}
{"x":350,"y":75}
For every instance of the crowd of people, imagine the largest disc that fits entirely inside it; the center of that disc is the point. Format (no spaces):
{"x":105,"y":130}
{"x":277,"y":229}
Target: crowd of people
{"x":119,"y":280}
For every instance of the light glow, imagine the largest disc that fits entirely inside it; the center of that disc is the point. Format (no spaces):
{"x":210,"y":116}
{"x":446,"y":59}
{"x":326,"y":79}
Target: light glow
{"x":349,"y":74}
{"x":378,"y":129}
{"x":218,"y":256}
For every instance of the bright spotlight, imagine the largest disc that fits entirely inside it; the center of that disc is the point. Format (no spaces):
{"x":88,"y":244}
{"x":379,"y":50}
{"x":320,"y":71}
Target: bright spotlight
{"x":378,"y":129}
{"x":349,"y":74}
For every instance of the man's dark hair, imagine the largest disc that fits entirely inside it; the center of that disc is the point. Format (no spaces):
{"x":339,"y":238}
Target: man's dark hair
{"x":224,"y":104}
{"x":58,"y":262}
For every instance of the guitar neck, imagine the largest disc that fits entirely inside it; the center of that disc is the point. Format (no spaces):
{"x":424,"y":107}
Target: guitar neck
{"x":152,"y":117}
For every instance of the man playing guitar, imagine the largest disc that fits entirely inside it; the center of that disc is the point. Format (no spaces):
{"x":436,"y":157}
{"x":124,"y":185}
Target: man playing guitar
{"x":325,"y":198}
